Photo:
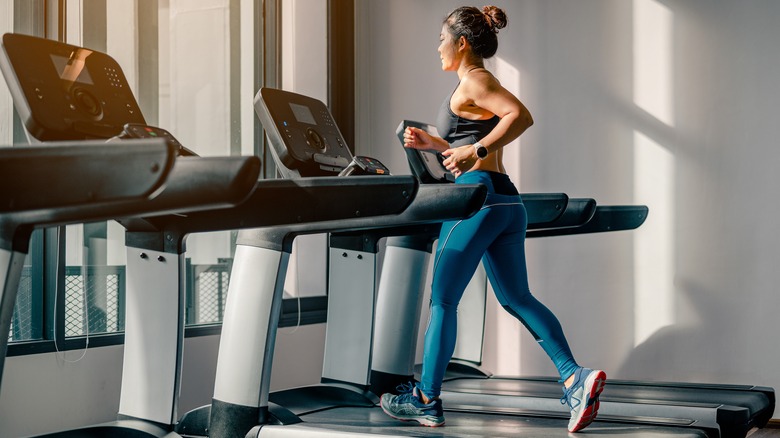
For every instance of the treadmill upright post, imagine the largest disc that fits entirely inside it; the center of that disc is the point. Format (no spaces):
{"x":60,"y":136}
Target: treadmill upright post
{"x":397,"y":322}
{"x":352,"y":273}
{"x":11,"y":264}
{"x":252,"y":312}
{"x":154,"y":330}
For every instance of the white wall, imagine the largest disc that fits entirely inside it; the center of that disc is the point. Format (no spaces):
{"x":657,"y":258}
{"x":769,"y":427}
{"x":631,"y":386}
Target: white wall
{"x":49,"y":392}
{"x":665,"y":103}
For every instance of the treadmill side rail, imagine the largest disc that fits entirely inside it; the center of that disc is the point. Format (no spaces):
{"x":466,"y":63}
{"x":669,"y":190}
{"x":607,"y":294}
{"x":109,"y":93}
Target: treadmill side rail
{"x":605,"y":219}
{"x":77,"y":173}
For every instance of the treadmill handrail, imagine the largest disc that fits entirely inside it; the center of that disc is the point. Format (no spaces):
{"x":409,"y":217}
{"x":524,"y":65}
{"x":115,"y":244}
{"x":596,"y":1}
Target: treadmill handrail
{"x":32,"y":177}
{"x":228,"y":182}
{"x":41,"y":194}
{"x":305,"y":200}
{"x":544,"y":209}
{"x":606,"y":218}
{"x":432,"y":204}
{"x":578,"y":212}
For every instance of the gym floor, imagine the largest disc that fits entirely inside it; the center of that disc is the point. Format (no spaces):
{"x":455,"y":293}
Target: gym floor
{"x":771,"y":431}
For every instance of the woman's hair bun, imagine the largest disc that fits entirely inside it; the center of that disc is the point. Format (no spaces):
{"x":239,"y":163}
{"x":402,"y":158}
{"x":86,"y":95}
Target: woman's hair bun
{"x":495,"y":17}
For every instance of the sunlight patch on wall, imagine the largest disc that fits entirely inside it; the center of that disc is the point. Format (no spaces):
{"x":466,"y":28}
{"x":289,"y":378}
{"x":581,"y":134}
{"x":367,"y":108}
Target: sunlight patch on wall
{"x":509,"y":76}
{"x":654,"y":167}
{"x":653,"y":242}
{"x":508,"y":329}
{"x":653,"y":59}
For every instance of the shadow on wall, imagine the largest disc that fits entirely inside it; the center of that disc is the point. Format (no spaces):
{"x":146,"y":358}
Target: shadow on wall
{"x":696,"y":349}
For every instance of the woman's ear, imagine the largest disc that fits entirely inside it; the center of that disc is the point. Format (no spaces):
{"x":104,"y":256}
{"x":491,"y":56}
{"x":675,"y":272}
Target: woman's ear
{"x":462,"y":43}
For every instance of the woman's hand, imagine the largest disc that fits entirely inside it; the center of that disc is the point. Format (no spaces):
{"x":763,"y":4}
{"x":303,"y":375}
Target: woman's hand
{"x":460,"y":160}
{"x":416,"y":138}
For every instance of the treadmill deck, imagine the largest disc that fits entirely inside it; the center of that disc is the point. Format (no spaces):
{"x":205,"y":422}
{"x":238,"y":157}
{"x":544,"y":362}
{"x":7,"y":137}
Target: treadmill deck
{"x":734,"y":409}
{"x":351,"y":421}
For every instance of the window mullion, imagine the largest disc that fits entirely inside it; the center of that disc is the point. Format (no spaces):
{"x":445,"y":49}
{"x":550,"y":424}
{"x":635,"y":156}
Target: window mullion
{"x":54,"y":284}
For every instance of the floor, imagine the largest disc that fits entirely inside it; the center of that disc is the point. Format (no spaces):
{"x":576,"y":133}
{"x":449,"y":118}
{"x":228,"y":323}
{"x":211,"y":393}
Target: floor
{"x":773,"y":431}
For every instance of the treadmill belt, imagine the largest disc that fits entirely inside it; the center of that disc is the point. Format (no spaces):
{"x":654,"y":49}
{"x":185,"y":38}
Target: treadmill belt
{"x":732,"y":409}
{"x":635,"y":392}
{"x":374,"y":422}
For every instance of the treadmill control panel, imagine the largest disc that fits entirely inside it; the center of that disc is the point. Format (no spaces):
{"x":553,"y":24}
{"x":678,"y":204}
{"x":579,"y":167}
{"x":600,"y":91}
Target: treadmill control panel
{"x":361,"y":165}
{"x":302,"y":132}
{"x":65,"y":92}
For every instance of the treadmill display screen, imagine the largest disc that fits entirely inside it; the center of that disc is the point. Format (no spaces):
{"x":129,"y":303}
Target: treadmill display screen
{"x":303,"y":113}
{"x":73,"y":69}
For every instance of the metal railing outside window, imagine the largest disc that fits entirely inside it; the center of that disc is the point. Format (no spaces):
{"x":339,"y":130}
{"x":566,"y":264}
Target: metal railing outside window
{"x":24,"y":311}
{"x":104,"y":293}
{"x":207,"y":287}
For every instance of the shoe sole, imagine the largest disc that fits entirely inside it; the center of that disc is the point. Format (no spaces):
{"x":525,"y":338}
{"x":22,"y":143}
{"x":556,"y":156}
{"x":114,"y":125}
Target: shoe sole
{"x":594,"y":384}
{"x":423,"y":421}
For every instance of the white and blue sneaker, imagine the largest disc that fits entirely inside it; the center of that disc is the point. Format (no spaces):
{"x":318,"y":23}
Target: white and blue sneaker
{"x":409,"y":406}
{"x":583,"y":397}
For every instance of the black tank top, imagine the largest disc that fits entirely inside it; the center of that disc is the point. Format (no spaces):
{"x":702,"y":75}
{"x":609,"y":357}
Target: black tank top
{"x":459,"y":131}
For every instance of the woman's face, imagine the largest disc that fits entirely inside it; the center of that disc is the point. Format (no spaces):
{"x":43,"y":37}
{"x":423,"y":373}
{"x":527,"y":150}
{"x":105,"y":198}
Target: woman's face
{"x":448,"y":50}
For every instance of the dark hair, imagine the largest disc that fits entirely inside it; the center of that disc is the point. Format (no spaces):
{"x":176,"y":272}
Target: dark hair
{"x":479,"y":27}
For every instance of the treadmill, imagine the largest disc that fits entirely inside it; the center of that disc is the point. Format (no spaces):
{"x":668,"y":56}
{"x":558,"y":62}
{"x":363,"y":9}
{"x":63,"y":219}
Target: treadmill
{"x":337,"y":406}
{"x":200,"y":194}
{"x":318,"y":151}
{"x":61,"y":184}
{"x":720,"y":410}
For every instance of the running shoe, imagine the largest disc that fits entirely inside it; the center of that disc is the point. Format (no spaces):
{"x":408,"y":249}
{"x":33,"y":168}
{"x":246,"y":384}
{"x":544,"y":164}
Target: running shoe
{"x":583,"y":397}
{"x":408,"y":406}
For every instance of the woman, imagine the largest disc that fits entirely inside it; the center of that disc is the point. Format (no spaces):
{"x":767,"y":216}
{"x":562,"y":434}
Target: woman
{"x":476,"y":122}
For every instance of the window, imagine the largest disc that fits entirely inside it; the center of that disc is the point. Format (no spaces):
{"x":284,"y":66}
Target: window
{"x":187,"y":65}
{"x":304,"y":70}
{"x":25,"y":17}
{"x":194,"y":67}
{"x":183,"y":61}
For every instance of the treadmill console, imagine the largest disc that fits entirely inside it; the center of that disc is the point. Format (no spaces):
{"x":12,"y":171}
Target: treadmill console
{"x":427,"y":166}
{"x":365,"y":166}
{"x":137,"y":130}
{"x":65,"y":92}
{"x":302,"y":133}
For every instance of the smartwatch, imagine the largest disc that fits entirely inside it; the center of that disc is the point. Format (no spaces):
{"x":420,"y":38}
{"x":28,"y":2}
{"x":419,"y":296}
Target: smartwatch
{"x":482,"y":151}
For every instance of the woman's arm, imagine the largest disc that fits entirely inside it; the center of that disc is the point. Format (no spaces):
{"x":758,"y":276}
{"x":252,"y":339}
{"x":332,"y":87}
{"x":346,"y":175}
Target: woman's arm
{"x":488,"y":94}
{"x":417,"y":138}
{"x":486,"y":97}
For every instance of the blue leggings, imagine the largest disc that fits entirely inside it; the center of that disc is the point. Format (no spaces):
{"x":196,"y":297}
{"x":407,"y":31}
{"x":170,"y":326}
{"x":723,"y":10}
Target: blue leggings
{"x":496,"y":236}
